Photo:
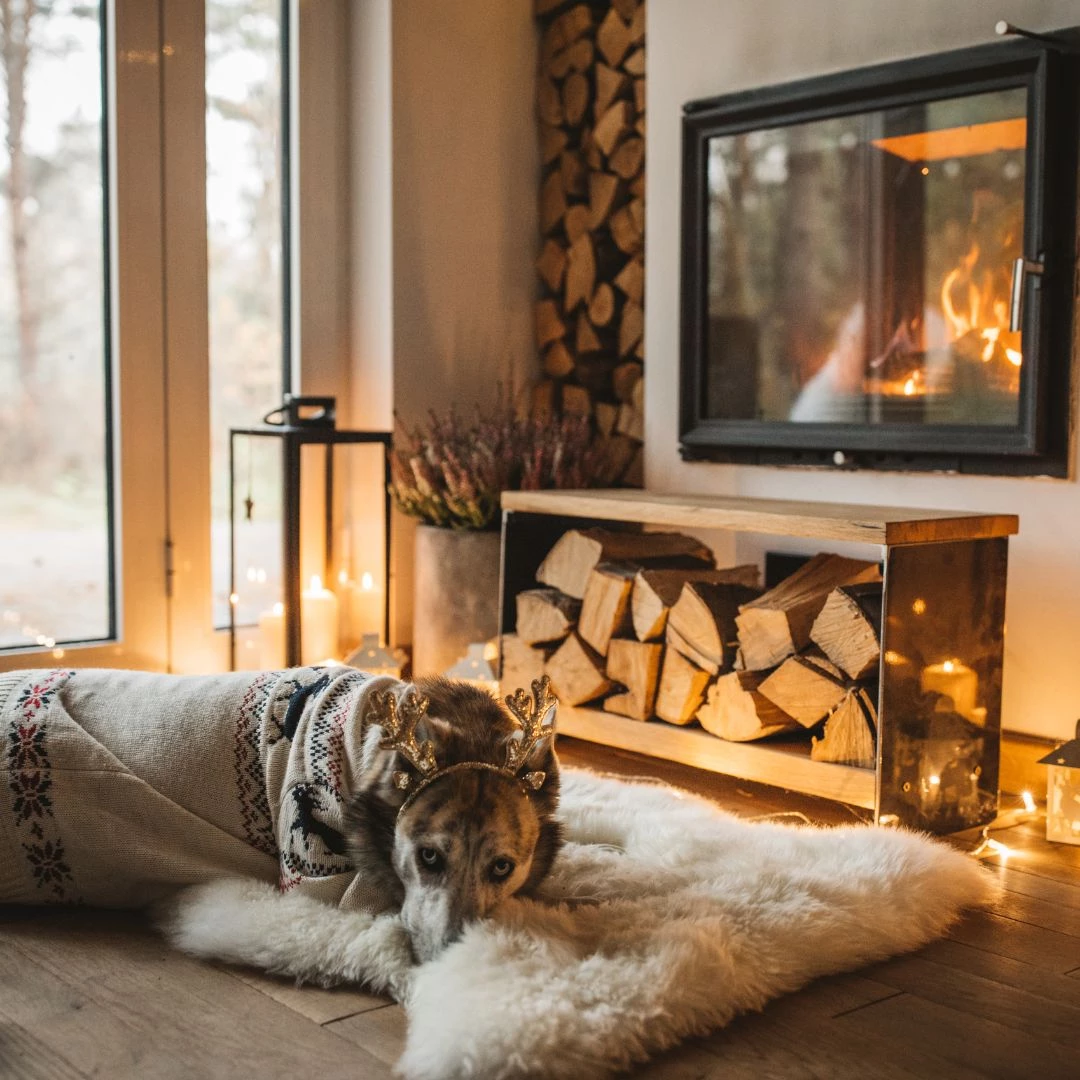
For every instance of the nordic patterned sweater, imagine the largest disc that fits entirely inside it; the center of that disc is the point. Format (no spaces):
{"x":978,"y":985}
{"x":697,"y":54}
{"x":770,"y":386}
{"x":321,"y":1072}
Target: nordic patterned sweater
{"x":121,"y":785}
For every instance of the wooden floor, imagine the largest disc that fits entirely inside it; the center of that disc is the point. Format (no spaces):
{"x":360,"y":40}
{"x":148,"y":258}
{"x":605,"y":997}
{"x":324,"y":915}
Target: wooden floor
{"x":95,"y":994}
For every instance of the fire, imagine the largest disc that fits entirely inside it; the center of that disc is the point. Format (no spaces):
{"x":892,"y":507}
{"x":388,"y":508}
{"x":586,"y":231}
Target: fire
{"x":974,"y":309}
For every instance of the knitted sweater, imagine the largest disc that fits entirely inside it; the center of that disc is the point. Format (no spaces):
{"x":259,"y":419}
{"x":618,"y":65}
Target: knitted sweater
{"x":122,"y":785}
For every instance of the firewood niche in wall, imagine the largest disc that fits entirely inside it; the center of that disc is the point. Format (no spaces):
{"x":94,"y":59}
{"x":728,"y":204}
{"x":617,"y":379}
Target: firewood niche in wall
{"x":590,"y":316}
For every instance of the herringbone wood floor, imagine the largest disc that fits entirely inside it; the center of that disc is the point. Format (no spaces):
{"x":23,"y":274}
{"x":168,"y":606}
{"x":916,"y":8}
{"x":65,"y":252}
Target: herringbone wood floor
{"x":97,"y":994}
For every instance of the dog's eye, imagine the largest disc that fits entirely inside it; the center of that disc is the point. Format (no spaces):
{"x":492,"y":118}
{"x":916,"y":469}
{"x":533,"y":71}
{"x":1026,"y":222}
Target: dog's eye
{"x":430,"y":859}
{"x":502,"y":868}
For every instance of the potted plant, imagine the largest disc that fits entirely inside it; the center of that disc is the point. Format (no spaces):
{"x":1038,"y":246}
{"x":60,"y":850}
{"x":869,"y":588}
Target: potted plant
{"x":449,"y":474}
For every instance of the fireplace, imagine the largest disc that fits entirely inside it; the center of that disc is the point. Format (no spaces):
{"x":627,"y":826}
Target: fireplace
{"x":878,"y":266}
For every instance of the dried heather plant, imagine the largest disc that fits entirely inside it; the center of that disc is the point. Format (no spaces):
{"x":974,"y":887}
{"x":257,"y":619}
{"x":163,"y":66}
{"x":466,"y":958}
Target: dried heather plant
{"x":451,"y":473}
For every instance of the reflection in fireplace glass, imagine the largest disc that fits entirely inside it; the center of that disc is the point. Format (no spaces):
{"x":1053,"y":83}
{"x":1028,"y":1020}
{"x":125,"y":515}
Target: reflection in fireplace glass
{"x":860,"y":266}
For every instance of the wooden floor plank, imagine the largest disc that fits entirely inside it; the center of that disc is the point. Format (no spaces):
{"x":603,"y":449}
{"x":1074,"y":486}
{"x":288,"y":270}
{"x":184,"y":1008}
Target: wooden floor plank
{"x":959,"y":1039}
{"x":24,"y":1057}
{"x":1046,"y":949}
{"x":1038,"y":912}
{"x":1020,"y":879}
{"x":1003,"y":969}
{"x":98,"y":990}
{"x":316,"y":1004}
{"x":1011,"y":1006}
{"x":380,"y":1032}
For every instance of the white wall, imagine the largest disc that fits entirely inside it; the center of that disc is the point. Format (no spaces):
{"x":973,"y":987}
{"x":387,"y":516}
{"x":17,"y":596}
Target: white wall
{"x":445,"y":167}
{"x":699,"y":48}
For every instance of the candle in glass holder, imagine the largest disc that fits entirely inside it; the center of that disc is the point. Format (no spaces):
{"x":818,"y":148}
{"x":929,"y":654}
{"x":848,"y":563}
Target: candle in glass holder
{"x":955,"y":680}
{"x":318,"y":623}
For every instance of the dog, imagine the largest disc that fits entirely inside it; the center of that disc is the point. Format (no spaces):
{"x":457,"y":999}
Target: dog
{"x":431,"y":801}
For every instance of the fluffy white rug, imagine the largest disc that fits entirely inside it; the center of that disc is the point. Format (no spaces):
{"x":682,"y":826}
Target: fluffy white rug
{"x":679,"y":917}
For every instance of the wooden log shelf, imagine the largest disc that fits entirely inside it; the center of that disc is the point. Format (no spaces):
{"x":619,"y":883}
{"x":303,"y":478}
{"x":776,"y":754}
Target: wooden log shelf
{"x":936,"y":748}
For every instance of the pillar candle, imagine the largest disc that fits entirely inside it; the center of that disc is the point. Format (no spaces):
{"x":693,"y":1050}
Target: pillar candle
{"x":318,"y":623}
{"x":954,"y":679}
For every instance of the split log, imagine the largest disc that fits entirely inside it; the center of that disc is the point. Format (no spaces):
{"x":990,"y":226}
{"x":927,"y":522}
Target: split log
{"x":637,"y":25}
{"x":521,"y":663}
{"x":552,"y":202}
{"x":637,"y":667}
{"x":543,"y":400}
{"x":628,"y":158}
{"x":639,"y":95}
{"x":625,"y":232}
{"x":558,"y":363}
{"x":682,"y":689}
{"x":602,"y":305}
{"x":576,"y":57}
{"x":586,"y":339}
{"x":807,"y":688}
{"x":576,"y":673}
{"x":578,"y":551}
{"x":548,"y":102}
{"x":656,"y":591}
{"x":576,"y":400}
{"x":611,"y":126}
{"x":545,"y":615}
{"x":575,"y":98}
{"x":736,"y":711}
{"x":576,"y":222}
{"x":580,"y":273}
{"x":549,"y":327}
{"x":631,"y":280}
{"x":641,"y":125}
{"x":552,"y":142}
{"x":572,"y":172}
{"x":778,"y":623}
{"x":605,"y":608}
{"x":590,"y":151}
{"x":610,"y":84}
{"x":613,"y":38}
{"x":624,"y":378}
{"x":552,"y":264}
{"x":848,"y":630}
{"x":602,"y":189}
{"x":565,"y":30}
{"x":635,"y":63}
{"x":849,"y":736}
{"x":616,"y":454}
{"x":631,"y":419}
{"x":637,"y":185}
{"x":604,"y":413}
{"x":704,"y":618}
{"x":626,"y":8}
{"x":631,"y":327}
{"x":677,"y":643}
{"x":637,"y":212}
{"x":635,"y":471}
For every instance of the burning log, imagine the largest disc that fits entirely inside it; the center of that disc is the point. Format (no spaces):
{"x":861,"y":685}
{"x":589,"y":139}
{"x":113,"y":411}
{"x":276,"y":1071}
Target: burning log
{"x":736,"y":711}
{"x":777,"y":624}
{"x":636,"y":666}
{"x":682,"y":688}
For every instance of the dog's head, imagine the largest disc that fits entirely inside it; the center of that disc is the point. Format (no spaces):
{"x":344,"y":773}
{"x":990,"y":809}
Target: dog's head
{"x":454,"y":848}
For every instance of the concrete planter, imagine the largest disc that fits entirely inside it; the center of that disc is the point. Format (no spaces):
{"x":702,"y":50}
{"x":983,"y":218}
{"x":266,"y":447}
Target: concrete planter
{"x":457,"y":595}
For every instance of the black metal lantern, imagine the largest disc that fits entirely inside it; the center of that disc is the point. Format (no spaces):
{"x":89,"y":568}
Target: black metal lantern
{"x":322,"y":502}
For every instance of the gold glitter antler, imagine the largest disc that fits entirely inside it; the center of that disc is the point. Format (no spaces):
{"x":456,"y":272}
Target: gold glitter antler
{"x":398,"y":720}
{"x":530,"y":713}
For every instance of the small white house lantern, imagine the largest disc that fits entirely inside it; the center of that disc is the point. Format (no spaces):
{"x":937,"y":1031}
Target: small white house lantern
{"x":373,"y":658}
{"x":1063,"y":792}
{"x":475,"y":667}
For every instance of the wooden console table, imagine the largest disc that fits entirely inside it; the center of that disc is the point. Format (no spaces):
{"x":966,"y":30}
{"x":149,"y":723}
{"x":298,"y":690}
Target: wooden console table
{"x":944,"y":600}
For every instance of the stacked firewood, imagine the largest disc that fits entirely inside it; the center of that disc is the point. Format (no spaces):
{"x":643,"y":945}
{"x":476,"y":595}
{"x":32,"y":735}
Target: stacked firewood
{"x":646,"y":625}
{"x":590,"y":316}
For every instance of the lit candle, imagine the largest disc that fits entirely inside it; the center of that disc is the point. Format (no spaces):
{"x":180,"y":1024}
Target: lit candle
{"x":955,"y":680}
{"x":318,"y":623}
{"x":272,"y":638}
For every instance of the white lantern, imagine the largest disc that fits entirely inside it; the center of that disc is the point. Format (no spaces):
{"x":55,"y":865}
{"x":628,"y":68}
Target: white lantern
{"x":1063,"y":792}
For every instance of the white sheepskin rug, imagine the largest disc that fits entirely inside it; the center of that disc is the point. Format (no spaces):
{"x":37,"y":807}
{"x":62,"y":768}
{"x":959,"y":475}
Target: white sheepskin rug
{"x":677,"y":917}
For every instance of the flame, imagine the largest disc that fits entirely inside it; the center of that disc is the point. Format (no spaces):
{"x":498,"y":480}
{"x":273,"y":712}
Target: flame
{"x":970,"y":306}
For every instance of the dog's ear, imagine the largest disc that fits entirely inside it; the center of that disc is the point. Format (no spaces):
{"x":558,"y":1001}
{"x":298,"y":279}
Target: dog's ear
{"x":369,"y":834}
{"x":547,"y":847}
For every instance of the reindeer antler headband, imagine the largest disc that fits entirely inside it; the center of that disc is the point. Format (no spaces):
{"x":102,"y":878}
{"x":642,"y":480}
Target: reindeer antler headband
{"x":398,"y":720}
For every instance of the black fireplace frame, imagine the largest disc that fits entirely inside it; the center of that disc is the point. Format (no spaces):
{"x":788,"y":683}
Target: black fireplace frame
{"x":1040,"y":442}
